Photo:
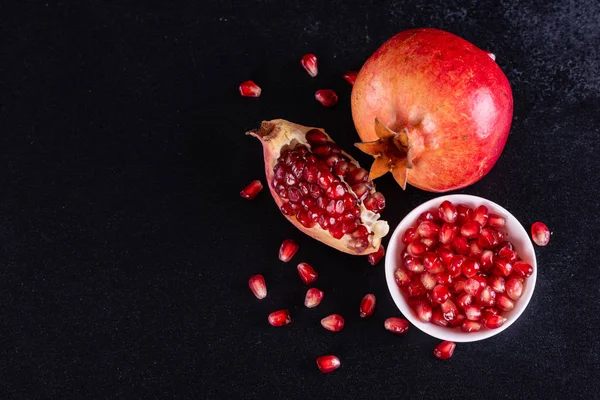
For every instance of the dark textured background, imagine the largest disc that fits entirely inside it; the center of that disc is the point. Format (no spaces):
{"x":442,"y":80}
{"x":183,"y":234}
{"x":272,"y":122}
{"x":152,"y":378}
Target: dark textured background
{"x":125,"y":248}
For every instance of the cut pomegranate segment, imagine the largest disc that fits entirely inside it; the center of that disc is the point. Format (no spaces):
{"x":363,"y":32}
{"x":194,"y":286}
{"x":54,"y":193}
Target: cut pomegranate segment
{"x":322,"y":200}
{"x":258,"y":286}
{"x":367,"y":306}
{"x":333,"y":322}
{"x":350,"y":77}
{"x":444,"y":350}
{"x":309,"y":62}
{"x":250,"y":89}
{"x":287,"y":250}
{"x":313,"y":297}
{"x":307,"y":273}
{"x":250,"y":191}
{"x":327,"y":97}
{"x":396,"y":325}
{"x":280,"y":318}
{"x":540,"y":233}
{"x":374,"y":258}
{"x":327,"y":364}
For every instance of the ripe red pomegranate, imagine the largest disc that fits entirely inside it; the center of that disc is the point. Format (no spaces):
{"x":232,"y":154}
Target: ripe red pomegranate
{"x":433,"y":109}
{"x":321,"y":189}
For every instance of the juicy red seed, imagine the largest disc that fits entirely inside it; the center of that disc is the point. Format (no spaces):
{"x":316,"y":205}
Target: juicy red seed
{"x":423,"y":311}
{"x":461,"y":245}
{"x":413,"y":264}
{"x":514,"y":288}
{"x":455,"y":266}
{"x":487,"y":297}
{"x":367,"y":306}
{"x":523,"y":269}
{"x":470,"y":326}
{"x":426,"y":216}
{"x":309,"y":62}
{"x":470,"y":268}
{"x":287,"y":209}
{"x":307,"y":273}
{"x":258,"y":286}
{"x":375,"y":202}
{"x":401,"y":277}
{"x":490,"y":310}
{"x":464,"y":213}
{"x":480,"y":215}
{"x":336,"y":191}
{"x":487,"y":259}
{"x":445,"y":255}
{"x":438,"y":319}
{"x":340,"y":168}
{"x":475,"y":285}
{"x":396,"y":325}
{"x":416,"y":288}
{"x":540,"y":233}
{"x":416,"y":249}
{"x":327,"y":97}
{"x":458,"y":285}
{"x":430,"y":260}
{"x":449,"y":309}
{"x":427,"y":229}
{"x":308,"y":203}
{"x":361,"y":190}
{"x":305,"y":219}
{"x":470,"y":229}
{"x":447,"y":211}
{"x":440,"y":294}
{"x":488,"y":238}
{"x":502,"y":267}
{"x":504,"y":302}
{"x":443,"y":278}
{"x":327,"y":364}
{"x":493,"y":321}
{"x":313,"y":297}
{"x":444,"y":350}
{"x":280,"y":318}
{"x":475,"y":250}
{"x":496,"y":283}
{"x":409,"y":235}
{"x":287,"y":250}
{"x":375,"y":257}
{"x":250,"y":191}
{"x":250,"y":89}
{"x":358,"y":175}
{"x":333,"y":322}
{"x":496,"y":221}
{"x":428,"y":280}
{"x":473,"y":313}
{"x":429,"y":243}
{"x":508,"y":254}
{"x":457,"y":321}
{"x":350,"y":77}
{"x":316,"y":136}
{"x":464,"y":300}
{"x":447,"y":233}
{"x":325,"y":179}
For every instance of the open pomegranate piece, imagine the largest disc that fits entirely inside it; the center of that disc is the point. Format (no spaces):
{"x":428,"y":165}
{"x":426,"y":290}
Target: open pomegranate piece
{"x":321,"y":189}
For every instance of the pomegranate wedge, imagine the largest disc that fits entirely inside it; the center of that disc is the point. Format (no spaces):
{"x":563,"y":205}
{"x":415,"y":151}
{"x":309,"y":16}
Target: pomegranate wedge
{"x":321,"y":189}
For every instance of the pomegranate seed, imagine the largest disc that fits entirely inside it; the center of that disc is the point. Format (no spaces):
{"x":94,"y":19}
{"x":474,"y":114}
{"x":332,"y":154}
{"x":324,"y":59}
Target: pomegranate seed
{"x":287,"y":250}
{"x":327,"y":97}
{"x":487,"y":297}
{"x":480,"y":215}
{"x":250,"y":191}
{"x":333,"y":322}
{"x":496,"y":221}
{"x":447,"y":233}
{"x":447,"y":212}
{"x":475,"y":250}
{"x":432,"y":263}
{"x":508,"y":254}
{"x":413,"y":264}
{"x":427,"y":229}
{"x":470,"y":268}
{"x":396,"y":325}
{"x":496,"y":283}
{"x":367,"y":306}
{"x":457,"y":321}
{"x":316,"y":136}
{"x":327,"y":364}
{"x":504,"y":302}
{"x":402,"y":278}
{"x":443,"y":278}
{"x":464,"y":300}
{"x":523,"y":269}
{"x":470,"y":326}
{"x":375,"y":202}
{"x":464,"y":213}
{"x":416,"y":288}
{"x":359,"y":175}
{"x":444,"y":350}
{"x":470,"y":229}
{"x":502,"y":267}
{"x":258,"y":286}
{"x":429,"y":243}
{"x":487,"y":260}
{"x":490,"y":310}
{"x":280,"y":318}
{"x":250,"y":89}
{"x":449,"y":310}
{"x":475,"y":285}
{"x":375,"y":257}
{"x":455,"y":267}
{"x":445,"y":255}
{"x":488,"y":238}
{"x":409,"y":235}
{"x":440,"y":294}
{"x":473,"y":313}
{"x":540,"y":233}
{"x":416,"y":249}
{"x":514,"y":288}
{"x":350,"y":77}
{"x":458,"y":286}
{"x":425,"y":216}
{"x":492,"y":321}
{"x":361,"y":190}
{"x":313,"y":297}
{"x":309,"y":62}
{"x":438,"y":319}
{"x":461,"y":245}
{"x":423,"y":311}
{"x":428,"y":280}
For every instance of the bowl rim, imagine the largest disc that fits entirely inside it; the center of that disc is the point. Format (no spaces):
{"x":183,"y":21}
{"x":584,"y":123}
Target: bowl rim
{"x":454,"y":334}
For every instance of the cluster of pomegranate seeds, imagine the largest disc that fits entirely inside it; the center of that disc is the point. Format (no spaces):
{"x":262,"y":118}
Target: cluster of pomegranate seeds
{"x":540,"y":233}
{"x":458,"y":270}
{"x":250,"y":89}
{"x":320,"y":186}
{"x":327,"y":97}
{"x":287,"y":250}
{"x":328,"y":364}
{"x":350,"y":77}
{"x":444,"y":350}
{"x":250,"y":191}
{"x":280,"y":318}
{"x":258,"y":286}
{"x":309,"y":62}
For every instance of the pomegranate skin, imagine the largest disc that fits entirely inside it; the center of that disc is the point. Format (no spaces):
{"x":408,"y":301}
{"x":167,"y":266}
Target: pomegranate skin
{"x":450,"y":98}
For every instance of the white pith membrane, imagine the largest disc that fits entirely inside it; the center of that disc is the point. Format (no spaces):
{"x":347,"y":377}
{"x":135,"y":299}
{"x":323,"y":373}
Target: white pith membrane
{"x":280,"y":135}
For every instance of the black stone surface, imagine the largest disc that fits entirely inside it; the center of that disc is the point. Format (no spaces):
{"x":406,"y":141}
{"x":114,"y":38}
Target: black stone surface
{"x":125,"y":249}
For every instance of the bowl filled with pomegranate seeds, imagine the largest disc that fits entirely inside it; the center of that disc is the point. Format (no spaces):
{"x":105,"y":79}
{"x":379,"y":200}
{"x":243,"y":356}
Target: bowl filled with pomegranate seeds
{"x":461,"y":268}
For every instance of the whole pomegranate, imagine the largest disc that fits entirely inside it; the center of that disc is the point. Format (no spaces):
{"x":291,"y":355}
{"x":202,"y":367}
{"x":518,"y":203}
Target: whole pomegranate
{"x":433,"y":109}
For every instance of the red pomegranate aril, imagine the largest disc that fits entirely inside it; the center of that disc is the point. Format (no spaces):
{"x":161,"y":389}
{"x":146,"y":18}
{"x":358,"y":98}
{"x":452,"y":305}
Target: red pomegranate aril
{"x":540,"y":233}
{"x":258,"y":286}
{"x":327,"y":97}
{"x":409,"y":235}
{"x":440,"y":294}
{"x":496,"y":283}
{"x":428,"y":280}
{"x":487,"y":297}
{"x":396,"y":325}
{"x":447,"y":212}
{"x":470,"y":268}
{"x":333,"y":322}
{"x":375,"y":257}
{"x":475,"y":250}
{"x":514,"y":288}
{"x":473,"y":312}
{"x":316,"y":136}
{"x":475,"y":285}
{"x":487,"y":260}
{"x":496,"y":221}
{"x":361,"y":190}
{"x":493,"y":321}
{"x":336,"y":191}
{"x":313,"y":297}
{"x":523,"y":269}
{"x":327,"y":364}
{"x":480,"y":215}
{"x":280,"y":318}
{"x":447,"y":232}
{"x":508,"y":254}
{"x":367,"y":306}
{"x":350,"y":77}
{"x":294,"y":194}
{"x":340,"y":168}
{"x":457,"y":321}
{"x":314,"y":214}
{"x":444,"y":350}
{"x":423,"y":311}
{"x":490,"y":310}
{"x":307,"y":273}
{"x":287,"y":209}
{"x":470,"y":326}
{"x":305,"y":219}
{"x":464,"y":300}
{"x":488,"y":238}
{"x":504,"y":303}
{"x":427,"y":229}
{"x":443,"y":278}
{"x":287,"y":250}
{"x":413,"y":264}
{"x":470,"y":229}
{"x":449,"y":310}
{"x":324,"y":179}
{"x":432,"y":262}
{"x":445,"y":255}
{"x":250,"y":89}
{"x":438,"y":319}
{"x":502,"y":267}
{"x":461,"y":245}
{"x":401,"y":277}
{"x":429,"y":243}
{"x":250,"y":191}
{"x":426,"y":216}
{"x":375,"y":202}
{"x":309,"y":62}
{"x":416,"y":249}
{"x":416,"y":288}
{"x":464,"y":213}
{"x":458,"y":286}
{"x":455,"y":266}
{"x":359,"y":175}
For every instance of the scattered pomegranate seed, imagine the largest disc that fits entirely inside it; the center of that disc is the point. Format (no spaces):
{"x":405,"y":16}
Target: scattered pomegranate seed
{"x":309,"y":62}
{"x":492,"y":321}
{"x":287,"y":250}
{"x":258,"y":286}
{"x":514,"y":288}
{"x":447,"y":211}
{"x":496,"y":221}
{"x":307,"y":273}
{"x":280,"y":318}
{"x":333,"y":322}
{"x":375,"y":257}
{"x":470,"y":326}
{"x":327,"y":364}
{"x":250,"y":191}
{"x":350,"y":77}
{"x":540,"y":233}
{"x":367,"y":306}
{"x":504,"y":302}
{"x":523,"y":269}
{"x":327,"y":97}
{"x":250,"y":89}
{"x":480,"y":215}
{"x":396,"y":325}
{"x":444,"y":350}
{"x":313,"y":297}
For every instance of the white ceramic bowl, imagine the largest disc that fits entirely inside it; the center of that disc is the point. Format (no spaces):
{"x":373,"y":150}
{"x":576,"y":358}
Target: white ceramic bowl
{"x":516,"y":234}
